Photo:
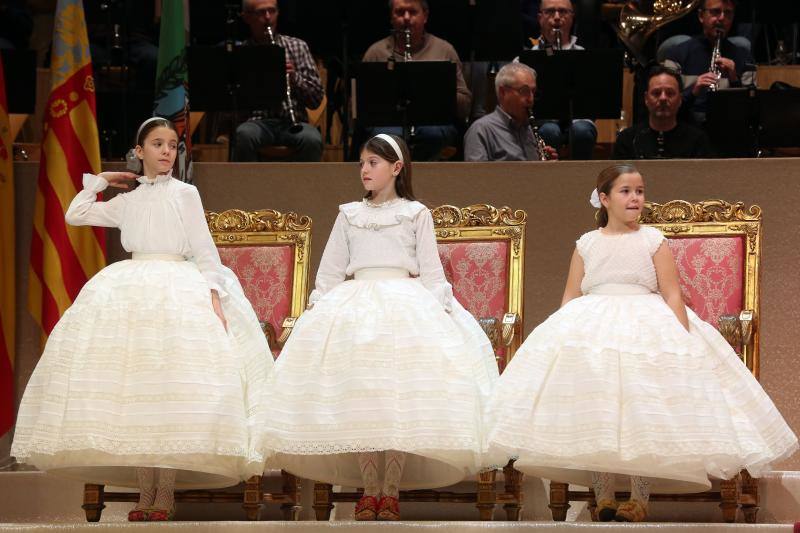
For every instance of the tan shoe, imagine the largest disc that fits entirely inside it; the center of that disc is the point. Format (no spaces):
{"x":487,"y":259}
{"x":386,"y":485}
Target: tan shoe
{"x":631,"y":511}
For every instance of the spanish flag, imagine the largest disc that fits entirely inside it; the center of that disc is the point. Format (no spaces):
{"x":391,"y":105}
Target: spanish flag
{"x":64,"y":257}
{"x":7,"y":284}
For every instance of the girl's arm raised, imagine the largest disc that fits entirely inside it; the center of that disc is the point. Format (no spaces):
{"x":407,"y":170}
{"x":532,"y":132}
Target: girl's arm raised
{"x":333,"y":265}
{"x":85,"y":210}
{"x":668,"y":285}
{"x":572,"y":289}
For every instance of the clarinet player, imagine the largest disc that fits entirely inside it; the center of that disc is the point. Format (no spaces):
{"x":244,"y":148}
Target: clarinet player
{"x":288,"y":126}
{"x":700,"y":68}
{"x":506,"y":134}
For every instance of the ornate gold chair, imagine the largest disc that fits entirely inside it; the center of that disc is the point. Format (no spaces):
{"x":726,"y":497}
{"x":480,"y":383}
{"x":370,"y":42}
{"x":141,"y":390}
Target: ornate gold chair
{"x":268,"y":251}
{"x":717,"y":248}
{"x":482,"y":249}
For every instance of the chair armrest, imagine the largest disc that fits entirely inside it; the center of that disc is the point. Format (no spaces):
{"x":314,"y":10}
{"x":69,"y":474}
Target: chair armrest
{"x":288,"y":325}
{"x":269,"y":333}
{"x":511,"y":323}
{"x":747,"y":320}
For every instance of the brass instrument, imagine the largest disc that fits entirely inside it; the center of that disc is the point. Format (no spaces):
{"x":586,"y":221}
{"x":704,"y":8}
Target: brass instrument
{"x":715,"y":55}
{"x":639,"y":19}
{"x":540,"y":144}
{"x":296,"y":127}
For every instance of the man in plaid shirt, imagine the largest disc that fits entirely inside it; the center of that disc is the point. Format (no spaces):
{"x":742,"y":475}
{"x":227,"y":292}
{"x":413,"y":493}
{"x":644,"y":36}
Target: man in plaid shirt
{"x":273,"y":127}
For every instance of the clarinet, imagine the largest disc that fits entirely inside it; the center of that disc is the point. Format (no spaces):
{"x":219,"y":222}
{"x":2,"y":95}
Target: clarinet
{"x":715,"y":55}
{"x":557,"y":43}
{"x":296,"y":127}
{"x":540,"y":144}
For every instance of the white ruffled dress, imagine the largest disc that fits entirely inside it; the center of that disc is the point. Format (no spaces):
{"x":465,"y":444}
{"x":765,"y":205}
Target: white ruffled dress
{"x":612,"y":382}
{"x":388,"y":360}
{"x":139,"y":371}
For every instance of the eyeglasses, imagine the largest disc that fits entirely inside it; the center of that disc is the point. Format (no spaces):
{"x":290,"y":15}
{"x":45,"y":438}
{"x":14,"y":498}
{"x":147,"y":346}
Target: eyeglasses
{"x":562,"y":11}
{"x":524,"y":91}
{"x":717,"y":11}
{"x":263,"y":12}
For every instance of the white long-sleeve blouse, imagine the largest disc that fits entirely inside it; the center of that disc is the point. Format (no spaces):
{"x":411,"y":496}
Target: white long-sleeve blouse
{"x":160,"y":216}
{"x":396,"y":235}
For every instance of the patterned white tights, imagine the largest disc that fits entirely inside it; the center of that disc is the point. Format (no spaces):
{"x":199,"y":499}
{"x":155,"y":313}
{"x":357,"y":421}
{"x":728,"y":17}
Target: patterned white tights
{"x":603,"y":485}
{"x":368,"y":464}
{"x":165,"y":493}
{"x":395,"y":461}
{"x":147,"y":487}
{"x":640,"y":489}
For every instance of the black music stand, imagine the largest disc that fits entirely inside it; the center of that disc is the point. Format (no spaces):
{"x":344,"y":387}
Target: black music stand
{"x":234,"y":78}
{"x":414,"y":93}
{"x":760,"y":119}
{"x":576,"y":83}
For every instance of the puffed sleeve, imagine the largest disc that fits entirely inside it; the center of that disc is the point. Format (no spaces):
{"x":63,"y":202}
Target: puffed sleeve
{"x":333,"y":265}
{"x":85,"y":210}
{"x":204,"y":251}
{"x":654,"y":239}
{"x":431,"y":273}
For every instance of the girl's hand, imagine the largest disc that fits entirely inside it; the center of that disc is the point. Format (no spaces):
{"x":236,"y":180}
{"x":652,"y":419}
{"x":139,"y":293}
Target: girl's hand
{"x":120,"y":180}
{"x":218,"y":308}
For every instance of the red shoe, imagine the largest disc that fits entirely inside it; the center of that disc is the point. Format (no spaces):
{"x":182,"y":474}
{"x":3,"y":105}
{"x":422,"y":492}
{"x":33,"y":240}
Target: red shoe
{"x":388,"y":509}
{"x":160,"y":515}
{"x":366,"y":508}
{"x":137,"y":515}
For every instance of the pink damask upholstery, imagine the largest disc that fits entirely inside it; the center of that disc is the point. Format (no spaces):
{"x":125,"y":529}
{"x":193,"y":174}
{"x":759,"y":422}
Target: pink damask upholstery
{"x":478,"y":272}
{"x":266,"y":274}
{"x":711,"y":271}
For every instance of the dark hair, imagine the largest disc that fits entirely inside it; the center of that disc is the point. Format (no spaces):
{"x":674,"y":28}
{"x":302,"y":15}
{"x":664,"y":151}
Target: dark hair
{"x":605,"y":180}
{"x":422,"y":3}
{"x":384,"y":150}
{"x":144,"y":130}
{"x":704,"y":2}
{"x":658,"y":70}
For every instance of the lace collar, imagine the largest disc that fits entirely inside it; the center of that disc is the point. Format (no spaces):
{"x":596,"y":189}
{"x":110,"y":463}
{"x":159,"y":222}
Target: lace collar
{"x":161,"y":178}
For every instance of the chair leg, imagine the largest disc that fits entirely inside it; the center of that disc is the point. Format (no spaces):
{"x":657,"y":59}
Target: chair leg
{"x":729,"y":499}
{"x":749,"y":497}
{"x":559,"y":500}
{"x":591,"y":505}
{"x":291,"y":487}
{"x":252,"y":498}
{"x":93,"y":501}
{"x":487,"y":494}
{"x":323,"y":501}
{"x":513,"y":485}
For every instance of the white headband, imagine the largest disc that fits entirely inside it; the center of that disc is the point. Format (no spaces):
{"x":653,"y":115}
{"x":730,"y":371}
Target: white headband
{"x":145,"y":123}
{"x":392,"y":143}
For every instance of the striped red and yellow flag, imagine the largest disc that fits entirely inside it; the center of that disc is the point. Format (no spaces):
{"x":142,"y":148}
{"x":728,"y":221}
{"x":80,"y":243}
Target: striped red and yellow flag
{"x":7,"y":270}
{"x":64,"y":257}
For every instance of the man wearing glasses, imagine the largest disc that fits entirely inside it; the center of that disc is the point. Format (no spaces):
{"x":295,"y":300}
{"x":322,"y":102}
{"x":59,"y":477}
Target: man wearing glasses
{"x":505,"y":135}
{"x":693,"y":58}
{"x":556,"y":18}
{"x":306,"y":88}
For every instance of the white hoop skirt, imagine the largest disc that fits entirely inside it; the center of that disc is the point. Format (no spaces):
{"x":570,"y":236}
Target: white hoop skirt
{"x":614,"y":383}
{"x":379,"y":365}
{"x":139,"y":372}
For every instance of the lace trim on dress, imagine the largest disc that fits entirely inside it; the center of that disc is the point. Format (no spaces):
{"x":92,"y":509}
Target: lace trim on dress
{"x":376,"y":216}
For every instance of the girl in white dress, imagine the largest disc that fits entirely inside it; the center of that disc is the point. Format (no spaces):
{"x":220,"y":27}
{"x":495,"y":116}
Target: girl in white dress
{"x":151,"y":378}
{"x":624,"y":379}
{"x":386,"y":373}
